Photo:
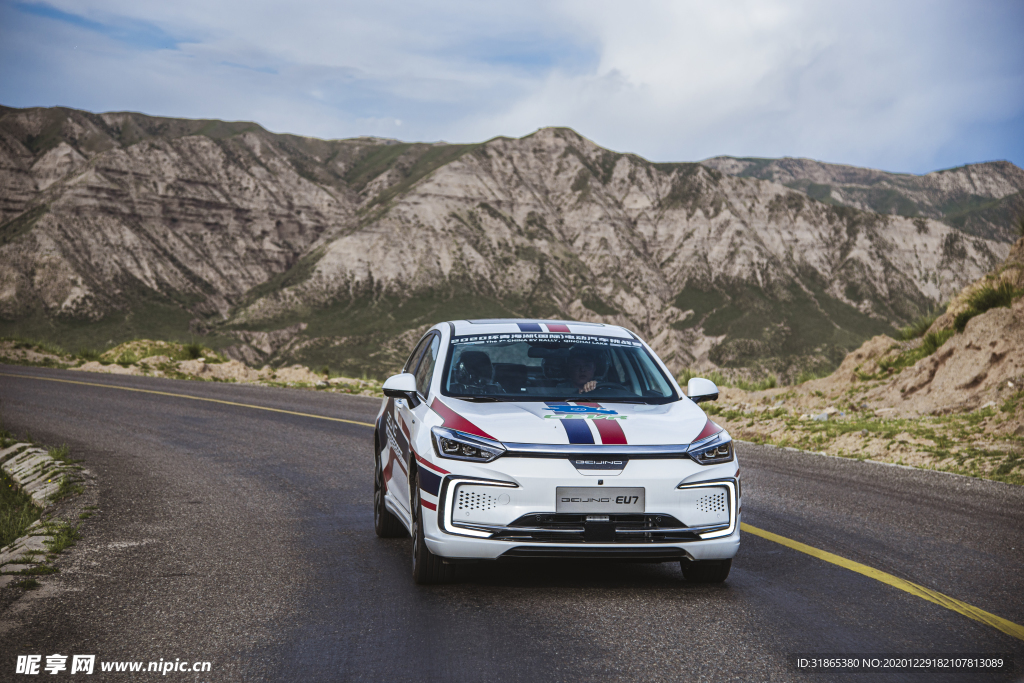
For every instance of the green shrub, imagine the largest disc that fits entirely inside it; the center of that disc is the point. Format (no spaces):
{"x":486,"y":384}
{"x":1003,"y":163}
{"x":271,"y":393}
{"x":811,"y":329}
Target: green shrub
{"x":808,"y":375}
{"x":985,"y":298}
{"x":715,"y":376}
{"x":62,"y":536}
{"x":920,"y":325}
{"x":66,"y":488}
{"x":127,"y":358}
{"x":38,"y":346}
{"x":686,"y":375}
{"x":61,"y":452}
{"x":88,"y":354}
{"x":929,"y":345}
{"x":53,"y":349}
{"x":932,"y":341}
{"x":16,"y":511}
{"x":194,"y":350}
{"x":769,"y":382}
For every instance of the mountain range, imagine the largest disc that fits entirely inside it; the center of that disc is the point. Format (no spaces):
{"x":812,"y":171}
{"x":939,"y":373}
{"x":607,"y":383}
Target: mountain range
{"x":279,"y":248}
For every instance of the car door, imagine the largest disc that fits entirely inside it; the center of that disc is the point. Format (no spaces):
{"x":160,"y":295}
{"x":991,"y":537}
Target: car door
{"x":410,"y":418}
{"x":396,"y":435}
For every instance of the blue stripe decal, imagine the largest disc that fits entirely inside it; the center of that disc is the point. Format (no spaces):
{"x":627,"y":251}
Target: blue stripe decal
{"x":529,"y":327}
{"x":429,"y":482}
{"x":577,"y":431}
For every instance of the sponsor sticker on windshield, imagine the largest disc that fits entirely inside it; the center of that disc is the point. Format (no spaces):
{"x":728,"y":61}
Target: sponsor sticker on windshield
{"x":561,"y":338}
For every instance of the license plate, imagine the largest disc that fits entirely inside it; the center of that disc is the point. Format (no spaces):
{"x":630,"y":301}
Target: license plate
{"x":598,"y":499}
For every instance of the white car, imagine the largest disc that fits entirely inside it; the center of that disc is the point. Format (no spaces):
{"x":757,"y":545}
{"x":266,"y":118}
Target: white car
{"x":542,"y":438}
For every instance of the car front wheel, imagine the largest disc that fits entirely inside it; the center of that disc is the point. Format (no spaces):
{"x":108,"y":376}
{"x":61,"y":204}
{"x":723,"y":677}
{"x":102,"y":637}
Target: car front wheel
{"x":427,"y":567}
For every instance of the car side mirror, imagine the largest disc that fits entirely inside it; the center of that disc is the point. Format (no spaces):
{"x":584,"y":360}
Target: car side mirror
{"x":402,"y":385}
{"x":700,"y":390}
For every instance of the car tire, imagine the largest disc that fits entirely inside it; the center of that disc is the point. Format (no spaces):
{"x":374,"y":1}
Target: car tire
{"x":385,"y":524}
{"x":705,"y":571}
{"x":427,"y":568}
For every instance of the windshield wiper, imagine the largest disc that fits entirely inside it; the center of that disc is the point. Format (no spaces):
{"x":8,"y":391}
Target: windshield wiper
{"x":483,"y":399}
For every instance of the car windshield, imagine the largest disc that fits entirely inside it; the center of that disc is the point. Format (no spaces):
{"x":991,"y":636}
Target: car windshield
{"x":553,"y":367}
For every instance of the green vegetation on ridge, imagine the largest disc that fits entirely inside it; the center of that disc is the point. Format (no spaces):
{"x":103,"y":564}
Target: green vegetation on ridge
{"x":986,"y":297}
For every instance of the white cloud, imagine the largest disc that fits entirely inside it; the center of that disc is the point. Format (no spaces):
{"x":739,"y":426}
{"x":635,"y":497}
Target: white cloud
{"x":868,"y":84}
{"x":905,"y":86}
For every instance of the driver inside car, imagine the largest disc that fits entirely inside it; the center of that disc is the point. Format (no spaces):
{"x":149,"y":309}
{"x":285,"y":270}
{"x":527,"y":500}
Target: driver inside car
{"x":583,"y":366}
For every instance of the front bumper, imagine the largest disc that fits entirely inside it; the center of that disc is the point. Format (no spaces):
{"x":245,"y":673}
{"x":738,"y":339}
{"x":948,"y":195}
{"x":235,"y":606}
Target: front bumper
{"x":454,"y":547}
{"x":508,"y":509}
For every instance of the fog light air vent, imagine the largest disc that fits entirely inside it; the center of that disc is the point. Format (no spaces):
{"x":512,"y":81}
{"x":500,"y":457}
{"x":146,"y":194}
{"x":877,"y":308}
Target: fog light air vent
{"x":715,"y":502}
{"x":473,"y":500}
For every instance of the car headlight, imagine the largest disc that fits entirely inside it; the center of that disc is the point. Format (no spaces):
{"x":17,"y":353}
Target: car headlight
{"x":712,"y":454}
{"x":449,"y":443}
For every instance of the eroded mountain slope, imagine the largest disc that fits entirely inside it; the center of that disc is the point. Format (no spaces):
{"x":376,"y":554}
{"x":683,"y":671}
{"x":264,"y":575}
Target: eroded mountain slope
{"x":981,"y":199}
{"x":283,"y":248}
{"x":711,"y":268}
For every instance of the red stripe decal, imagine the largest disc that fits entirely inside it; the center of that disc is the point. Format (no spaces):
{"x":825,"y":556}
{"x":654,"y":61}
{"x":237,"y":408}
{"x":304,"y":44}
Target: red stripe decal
{"x":611,"y":432}
{"x":710,"y":429}
{"x":554,"y":327}
{"x":427,"y":504}
{"x":387,"y":468}
{"x":453,"y":420}
{"x":405,"y":427}
{"x":431,"y":465}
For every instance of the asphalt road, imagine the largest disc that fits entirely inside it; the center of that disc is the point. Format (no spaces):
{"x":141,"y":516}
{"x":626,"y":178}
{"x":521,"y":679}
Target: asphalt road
{"x":244,"y":537}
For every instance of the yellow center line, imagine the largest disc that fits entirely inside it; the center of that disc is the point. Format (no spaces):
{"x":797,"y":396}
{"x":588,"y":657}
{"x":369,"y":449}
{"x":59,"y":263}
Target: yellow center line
{"x":194,"y":398}
{"x":1008,"y":627}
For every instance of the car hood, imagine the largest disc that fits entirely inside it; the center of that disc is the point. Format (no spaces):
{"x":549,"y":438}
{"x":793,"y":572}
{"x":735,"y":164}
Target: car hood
{"x":608,"y":423}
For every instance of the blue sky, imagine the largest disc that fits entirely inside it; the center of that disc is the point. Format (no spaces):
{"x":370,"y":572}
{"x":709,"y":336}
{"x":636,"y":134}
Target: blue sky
{"x":903,"y":86}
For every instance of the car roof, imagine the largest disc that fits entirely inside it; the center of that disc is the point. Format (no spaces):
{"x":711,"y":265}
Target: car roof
{"x":512,"y":325}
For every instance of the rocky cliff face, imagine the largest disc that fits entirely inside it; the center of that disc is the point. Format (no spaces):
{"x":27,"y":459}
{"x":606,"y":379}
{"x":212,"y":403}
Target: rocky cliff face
{"x":951,"y":399}
{"x":980,"y":199}
{"x":286,"y":249}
